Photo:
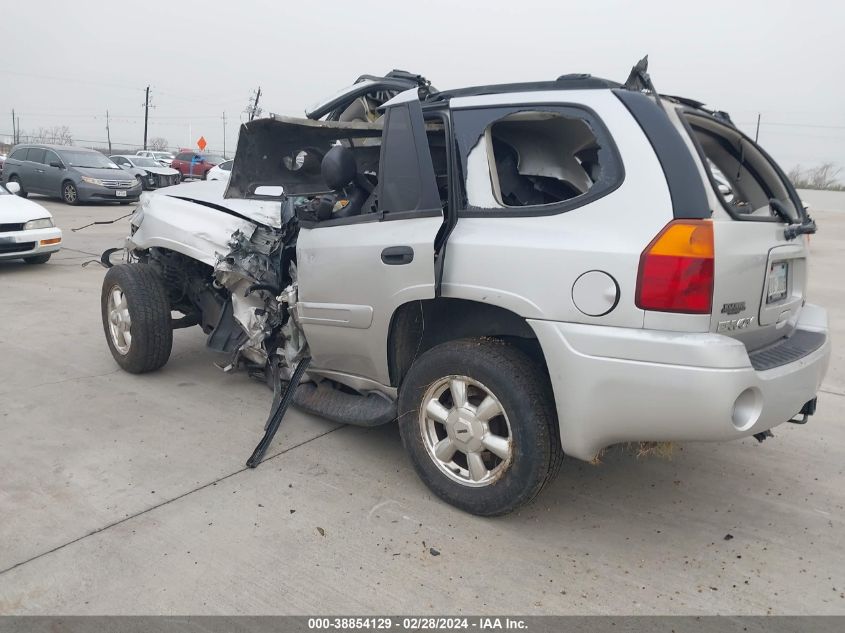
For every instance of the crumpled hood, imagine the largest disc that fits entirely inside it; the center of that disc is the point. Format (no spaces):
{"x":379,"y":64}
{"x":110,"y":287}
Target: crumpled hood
{"x":161,"y":171}
{"x":266,"y":212}
{"x":14,"y":209}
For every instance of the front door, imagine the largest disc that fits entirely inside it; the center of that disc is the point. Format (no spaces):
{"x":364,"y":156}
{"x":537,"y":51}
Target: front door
{"x":354,"y":275}
{"x":51,"y":177}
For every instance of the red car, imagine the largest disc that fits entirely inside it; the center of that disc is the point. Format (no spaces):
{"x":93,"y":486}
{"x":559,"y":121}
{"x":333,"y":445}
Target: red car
{"x":195,"y":164}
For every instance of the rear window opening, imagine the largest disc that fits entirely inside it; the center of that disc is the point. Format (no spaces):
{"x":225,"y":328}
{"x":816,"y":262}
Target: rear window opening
{"x":534,"y":161}
{"x":540,"y":158}
{"x":741,"y":175}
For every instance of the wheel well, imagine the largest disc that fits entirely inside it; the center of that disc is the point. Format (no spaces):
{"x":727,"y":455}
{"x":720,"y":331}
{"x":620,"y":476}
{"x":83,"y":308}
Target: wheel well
{"x":418,"y":326}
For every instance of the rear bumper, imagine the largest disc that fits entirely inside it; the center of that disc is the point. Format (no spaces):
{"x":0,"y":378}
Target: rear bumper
{"x":19,"y":244}
{"x":615,"y":385}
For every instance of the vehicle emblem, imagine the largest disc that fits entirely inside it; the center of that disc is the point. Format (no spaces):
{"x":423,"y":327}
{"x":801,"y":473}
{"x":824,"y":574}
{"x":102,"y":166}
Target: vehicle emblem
{"x":733,"y":308}
{"x":735,"y":324}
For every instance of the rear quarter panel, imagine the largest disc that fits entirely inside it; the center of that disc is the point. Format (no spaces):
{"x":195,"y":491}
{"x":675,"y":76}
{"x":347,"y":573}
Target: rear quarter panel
{"x":529,"y":264}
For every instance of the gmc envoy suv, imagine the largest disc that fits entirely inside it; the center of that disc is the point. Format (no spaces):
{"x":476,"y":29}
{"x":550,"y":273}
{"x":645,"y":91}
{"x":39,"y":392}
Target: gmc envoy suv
{"x":512,"y":272}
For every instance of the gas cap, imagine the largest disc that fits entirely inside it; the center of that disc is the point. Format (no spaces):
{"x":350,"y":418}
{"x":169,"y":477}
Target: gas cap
{"x":595,"y":293}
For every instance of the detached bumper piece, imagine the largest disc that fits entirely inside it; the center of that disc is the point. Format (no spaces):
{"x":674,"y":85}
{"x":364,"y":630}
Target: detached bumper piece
{"x":278,"y":412}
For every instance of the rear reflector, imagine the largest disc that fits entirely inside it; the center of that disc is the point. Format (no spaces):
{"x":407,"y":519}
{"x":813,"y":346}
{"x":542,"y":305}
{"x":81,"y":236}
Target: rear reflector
{"x":54,"y":240}
{"x":676,"y":269}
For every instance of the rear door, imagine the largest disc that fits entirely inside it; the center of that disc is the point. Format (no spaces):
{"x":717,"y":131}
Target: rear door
{"x":760,"y":275}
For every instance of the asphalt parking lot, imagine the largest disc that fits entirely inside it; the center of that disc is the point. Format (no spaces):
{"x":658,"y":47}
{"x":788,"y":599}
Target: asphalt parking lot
{"x":125,"y":494}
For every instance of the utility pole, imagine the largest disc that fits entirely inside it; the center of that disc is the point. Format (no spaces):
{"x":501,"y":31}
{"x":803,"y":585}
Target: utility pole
{"x":255,"y":109}
{"x":14,"y":129}
{"x":108,"y":131}
{"x":146,"y":115}
{"x":252,"y":109}
{"x":224,"y":134}
{"x":757,"y":133}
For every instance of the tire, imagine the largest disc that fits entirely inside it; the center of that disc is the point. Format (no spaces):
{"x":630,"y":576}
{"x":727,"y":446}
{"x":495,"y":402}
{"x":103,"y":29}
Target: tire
{"x":521,"y":413}
{"x":69,"y":193}
{"x":38,"y":259}
{"x":23,"y":193}
{"x":134,"y":301}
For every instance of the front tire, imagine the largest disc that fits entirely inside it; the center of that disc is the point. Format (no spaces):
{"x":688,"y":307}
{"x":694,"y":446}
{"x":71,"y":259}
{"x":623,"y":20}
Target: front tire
{"x":69,"y":193}
{"x":136,"y":318}
{"x":480,"y":426}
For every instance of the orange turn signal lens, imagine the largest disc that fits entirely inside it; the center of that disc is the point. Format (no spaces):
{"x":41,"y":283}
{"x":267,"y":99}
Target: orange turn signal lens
{"x":687,"y":238}
{"x":54,"y":240}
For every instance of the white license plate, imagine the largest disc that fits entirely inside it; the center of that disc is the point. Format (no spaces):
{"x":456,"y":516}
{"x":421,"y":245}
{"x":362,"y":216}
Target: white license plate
{"x":120,"y":194}
{"x":777,"y":282}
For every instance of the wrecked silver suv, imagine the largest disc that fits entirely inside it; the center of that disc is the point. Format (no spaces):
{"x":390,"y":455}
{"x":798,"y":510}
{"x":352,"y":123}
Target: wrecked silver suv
{"x":512,"y":272}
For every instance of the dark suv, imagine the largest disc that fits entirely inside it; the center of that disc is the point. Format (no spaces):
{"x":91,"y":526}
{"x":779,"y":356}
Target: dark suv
{"x":75,"y":174}
{"x":194,"y":164}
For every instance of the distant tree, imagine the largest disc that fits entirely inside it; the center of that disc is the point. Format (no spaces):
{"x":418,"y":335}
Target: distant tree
{"x":157,"y":143}
{"x":55,"y":135}
{"x":825,"y":176}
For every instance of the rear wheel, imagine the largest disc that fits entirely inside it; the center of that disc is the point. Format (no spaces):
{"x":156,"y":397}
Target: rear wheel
{"x":70,"y":193}
{"x":136,"y":318}
{"x":480,"y":425}
{"x":23,"y":193}
{"x":37,"y":259}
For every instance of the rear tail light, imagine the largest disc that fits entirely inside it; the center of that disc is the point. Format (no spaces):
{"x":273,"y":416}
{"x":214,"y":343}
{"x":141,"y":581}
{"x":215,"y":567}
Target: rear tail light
{"x":676,"y":269}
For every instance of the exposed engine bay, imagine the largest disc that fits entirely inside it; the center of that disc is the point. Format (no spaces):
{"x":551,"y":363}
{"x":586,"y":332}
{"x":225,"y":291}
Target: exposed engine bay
{"x":228,"y":263}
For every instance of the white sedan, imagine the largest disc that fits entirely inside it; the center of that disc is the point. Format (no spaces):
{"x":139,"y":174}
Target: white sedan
{"x":26,"y":228}
{"x":221,"y":171}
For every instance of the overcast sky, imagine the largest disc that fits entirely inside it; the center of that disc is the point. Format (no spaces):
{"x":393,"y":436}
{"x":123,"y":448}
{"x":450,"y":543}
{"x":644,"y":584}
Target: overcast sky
{"x":66,"y":62}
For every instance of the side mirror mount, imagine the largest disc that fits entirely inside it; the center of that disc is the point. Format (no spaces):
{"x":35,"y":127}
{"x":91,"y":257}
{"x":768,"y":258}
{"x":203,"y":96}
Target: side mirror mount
{"x":56,"y":163}
{"x":13,"y":187}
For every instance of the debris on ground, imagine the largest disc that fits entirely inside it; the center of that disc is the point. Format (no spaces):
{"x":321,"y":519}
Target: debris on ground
{"x":321,"y":531}
{"x":433,"y":551}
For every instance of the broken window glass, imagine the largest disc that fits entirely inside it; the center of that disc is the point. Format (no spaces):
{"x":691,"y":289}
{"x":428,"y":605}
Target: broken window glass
{"x":555,"y":158}
{"x":541,"y":158}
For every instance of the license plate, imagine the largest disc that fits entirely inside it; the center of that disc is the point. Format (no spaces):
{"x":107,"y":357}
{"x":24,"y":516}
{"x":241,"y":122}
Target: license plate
{"x":777,"y":282}
{"x":120,"y":194}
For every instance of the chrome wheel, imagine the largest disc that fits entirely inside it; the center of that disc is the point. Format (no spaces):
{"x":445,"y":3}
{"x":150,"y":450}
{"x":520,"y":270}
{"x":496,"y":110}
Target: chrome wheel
{"x":465,"y":431}
{"x":119,"y":320}
{"x":70,"y":193}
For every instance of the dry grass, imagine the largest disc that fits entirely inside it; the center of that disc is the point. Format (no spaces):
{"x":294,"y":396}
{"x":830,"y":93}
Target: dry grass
{"x":642,"y":450}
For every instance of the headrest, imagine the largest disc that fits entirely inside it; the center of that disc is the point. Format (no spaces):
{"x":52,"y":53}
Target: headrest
{"x":339,"y":167}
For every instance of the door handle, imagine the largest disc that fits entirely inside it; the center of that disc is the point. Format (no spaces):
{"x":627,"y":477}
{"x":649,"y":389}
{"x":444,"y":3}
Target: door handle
{"x":397,"y":255}
{"x":40,"y":171}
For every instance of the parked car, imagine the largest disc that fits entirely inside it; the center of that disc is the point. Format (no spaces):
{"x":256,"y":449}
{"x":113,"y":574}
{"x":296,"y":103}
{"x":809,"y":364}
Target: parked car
{"x":195,"y":164}
{"x":514,"y":272}
{"x":75,"y":174}
{"x":164,"y":158}
{"x":147,"y":171}
{"x":2,"y":161}
{"x":26,"y":228}
{"x":221,"y":171}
